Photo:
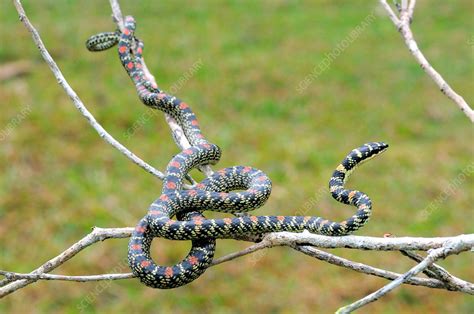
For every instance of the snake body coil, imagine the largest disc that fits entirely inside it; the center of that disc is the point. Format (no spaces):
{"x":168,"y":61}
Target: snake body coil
{"x":215,"y":192}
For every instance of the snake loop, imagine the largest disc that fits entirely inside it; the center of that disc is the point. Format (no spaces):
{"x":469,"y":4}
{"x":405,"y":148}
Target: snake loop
{"x":217,"y":192}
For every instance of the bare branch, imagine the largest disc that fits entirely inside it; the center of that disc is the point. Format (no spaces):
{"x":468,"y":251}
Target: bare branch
{"x":364,"y":243}
{"x":365,"y":269}
{"x":403,"y":26}
{"x":97,"y":234}
{"x":447,"y":249}
{"x":18,"y":276}
{"x":451,"y":282}
{"x":75,"y":98}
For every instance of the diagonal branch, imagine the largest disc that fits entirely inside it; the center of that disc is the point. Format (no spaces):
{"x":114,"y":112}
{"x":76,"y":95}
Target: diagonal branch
{"x":403,"y":25}
{"x":75,"y":98}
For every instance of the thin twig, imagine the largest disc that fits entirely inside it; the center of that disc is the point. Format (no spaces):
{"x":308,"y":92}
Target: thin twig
{"x":451,"y":282}
{"x":403,"y":26}
{"x":447,"y":249}
{"x":365,"y":269}
{"x":97,"y":234}
{"x":17,"y":276}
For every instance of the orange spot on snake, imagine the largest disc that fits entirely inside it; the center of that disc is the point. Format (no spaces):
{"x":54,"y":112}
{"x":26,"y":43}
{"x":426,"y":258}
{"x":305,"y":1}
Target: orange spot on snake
{"x":175,"y":164}
{"x":145,"y":263}
{"x":227,"y":221}
{"x":183,"y":105}
{"x":136,"y":247}
{"x":171,"y":185}
{"x":169,"y":272}
{"x":192,"y":260}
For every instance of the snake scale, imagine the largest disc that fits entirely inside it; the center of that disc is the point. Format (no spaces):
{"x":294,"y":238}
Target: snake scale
{"x":177,"y":213}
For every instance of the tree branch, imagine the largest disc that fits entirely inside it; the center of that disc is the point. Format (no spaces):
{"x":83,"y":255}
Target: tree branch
{"x":97,"y":234}
{"x":75,"y":98}
{"x":448,"y":248}
{"x":403,"y":26}
{"x":15,"y":281}
{"x":369,"y":270}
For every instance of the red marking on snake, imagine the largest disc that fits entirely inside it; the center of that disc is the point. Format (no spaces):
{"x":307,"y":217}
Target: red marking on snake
{"x":262,"y":178}
{"x":122,"y":49}
{"x":183,"y":105}
{"x":139,"y":229}
{"x":195,"y":122}
{"x":161,"y":95}
{"x":247,"y":169}
{"x":254,"y":218}
{"x":200,"y":186}
{"x":156,"y":212}
{"x":136,"y":247}
{"x":221,"y":172}
{"x":171,"y":185}
{"x":192,"y":260}
{"x":145,"y":263}
{"x":175,"y":164}
{"x":164,"y":197}
{"x":192,"y":192}
{"x":203,"y":145}
{"x":306,"y":218}
{"x":139,"y":50}
{"x":139,"y":66}
{"x":198,"y":221}
{"x":199,"y":136}
{"x":280,"y":218}
{"x":223,"y":195}
{"x":188,"y":151}
{"x":227,"y":221}
{"x":130,"y":65}
{"x":169,"y":272}
{"x":126,"y":31}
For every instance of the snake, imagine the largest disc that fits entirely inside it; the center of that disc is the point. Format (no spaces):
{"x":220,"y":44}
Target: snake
{"x":178,"y":213}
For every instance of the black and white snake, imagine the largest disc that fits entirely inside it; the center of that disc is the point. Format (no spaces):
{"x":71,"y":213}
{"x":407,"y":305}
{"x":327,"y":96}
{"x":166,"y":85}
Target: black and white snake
{"x":215,"y":192}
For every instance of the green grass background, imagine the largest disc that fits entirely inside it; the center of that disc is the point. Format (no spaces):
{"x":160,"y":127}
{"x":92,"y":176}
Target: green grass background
{"x":59,"y":179}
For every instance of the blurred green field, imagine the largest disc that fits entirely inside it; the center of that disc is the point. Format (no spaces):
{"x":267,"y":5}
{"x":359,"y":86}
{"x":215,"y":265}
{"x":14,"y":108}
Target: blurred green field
{"x":59,"y":179}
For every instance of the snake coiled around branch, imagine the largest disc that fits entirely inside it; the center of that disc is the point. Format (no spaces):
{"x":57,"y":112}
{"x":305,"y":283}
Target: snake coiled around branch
{"x":177,"y":213}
